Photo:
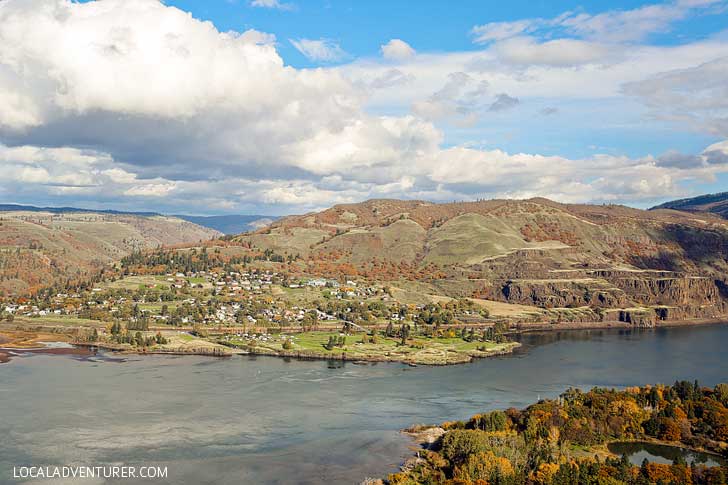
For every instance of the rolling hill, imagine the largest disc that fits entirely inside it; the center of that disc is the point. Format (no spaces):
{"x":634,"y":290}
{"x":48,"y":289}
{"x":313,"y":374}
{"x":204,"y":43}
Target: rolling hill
{"x":713,"y":203}
{"x":41,"y":247}
{"x":533,"y":252}
{"x":226,"y":224}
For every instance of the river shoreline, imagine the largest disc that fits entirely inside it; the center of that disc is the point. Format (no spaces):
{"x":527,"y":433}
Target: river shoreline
{"x":308,"y":355}
{"x":29,"y":344}
{"x":545,"y":326}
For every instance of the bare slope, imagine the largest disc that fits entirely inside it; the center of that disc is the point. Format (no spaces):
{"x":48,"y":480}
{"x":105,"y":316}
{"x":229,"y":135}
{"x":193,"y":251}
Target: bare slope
{"x":41,"y":248}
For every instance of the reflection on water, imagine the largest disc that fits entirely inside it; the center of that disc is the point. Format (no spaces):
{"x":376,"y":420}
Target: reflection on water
{"x":637,"y":452}
{"x":268,"y":420}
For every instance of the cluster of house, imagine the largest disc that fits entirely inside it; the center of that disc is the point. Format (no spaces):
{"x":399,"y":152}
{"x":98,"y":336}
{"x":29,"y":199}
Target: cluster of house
{"x":232,"y":281}
{"x":29,"y":310}
{"x":259,"y":337}
{"x":350,"y":289}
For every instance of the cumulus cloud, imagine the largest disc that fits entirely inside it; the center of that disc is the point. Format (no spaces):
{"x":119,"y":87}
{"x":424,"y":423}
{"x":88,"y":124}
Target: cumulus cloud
{"x":717,"y":153}
{"x":560,"y":52}
{"x":175,"y":111}
{"x":674,"y":158}
{"x":461,"y":97}
{"x":319,"y":50}
{"x":397,"y":49}
{"x":549,"y":110}
{"x":157,"y":100}
{"x":503,"y":102}
{"x":696,"y":95}
{"x":391,"y":78}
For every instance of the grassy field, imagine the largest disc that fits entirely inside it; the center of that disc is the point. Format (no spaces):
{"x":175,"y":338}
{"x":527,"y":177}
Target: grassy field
{"x":136,"y":282}
{"x":69,"y":321}
{"x":430,"y":351}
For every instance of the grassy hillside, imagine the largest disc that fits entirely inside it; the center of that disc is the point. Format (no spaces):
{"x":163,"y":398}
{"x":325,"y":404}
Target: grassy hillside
{"x":41,"y":248}
{"x":471,"y":233}
{"x":525,"y":252}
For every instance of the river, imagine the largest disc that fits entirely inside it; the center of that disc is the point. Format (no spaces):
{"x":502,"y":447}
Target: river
{"x":267,"y":420}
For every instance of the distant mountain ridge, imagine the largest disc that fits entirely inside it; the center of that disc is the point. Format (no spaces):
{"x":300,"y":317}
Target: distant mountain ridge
{"x":226,"y":224}
{"x":64,"y":210}
{"x":231,"y":224}
{"x":713,"y":203}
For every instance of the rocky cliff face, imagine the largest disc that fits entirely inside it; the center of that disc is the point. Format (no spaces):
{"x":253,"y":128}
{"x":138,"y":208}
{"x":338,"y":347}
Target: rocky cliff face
{"x":684,"y":290}
{"x":640,"y":298}
{"x":558,"y":293}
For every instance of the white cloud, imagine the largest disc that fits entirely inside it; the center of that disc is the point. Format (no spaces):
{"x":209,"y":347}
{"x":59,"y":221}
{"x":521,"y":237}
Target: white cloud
{"x":625,"y":25}
{"x":390,"y":78}
{"x":320,"y":50}
{"x":489,"y":32}
{"x":271,"y":4}
{"x":462,"y":97}
{"x":612,"y":26}
{"x":175,"y":111}
{"x":397,"y":49}
{"x":527,"y":51}
{"x":253,"y":36}
{"x":503,"y":102}
{"x":151,"y":190}
{"x":696,"y":96}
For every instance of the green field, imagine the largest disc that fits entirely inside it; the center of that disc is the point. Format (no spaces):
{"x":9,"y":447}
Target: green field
{"x":420,"y":350}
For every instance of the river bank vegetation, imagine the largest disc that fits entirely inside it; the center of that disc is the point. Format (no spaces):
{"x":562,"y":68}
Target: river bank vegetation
{"x":563,"y":441}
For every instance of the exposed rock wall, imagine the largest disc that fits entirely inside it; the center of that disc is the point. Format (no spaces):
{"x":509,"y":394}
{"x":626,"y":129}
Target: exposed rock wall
{"x":558,"y":293}
{"x":670,"y":291}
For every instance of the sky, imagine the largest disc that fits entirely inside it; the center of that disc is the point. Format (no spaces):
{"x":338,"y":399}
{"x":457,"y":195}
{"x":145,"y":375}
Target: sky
{"x":286,"y":106}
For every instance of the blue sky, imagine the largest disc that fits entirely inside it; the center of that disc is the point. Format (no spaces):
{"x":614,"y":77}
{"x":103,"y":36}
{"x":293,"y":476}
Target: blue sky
{"x":276,"y":106}
{"x":432,"y":26}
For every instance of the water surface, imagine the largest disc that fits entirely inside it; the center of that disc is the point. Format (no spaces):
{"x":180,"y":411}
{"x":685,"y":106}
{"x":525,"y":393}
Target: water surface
{"x":637,"y":452}
{"x":268,"y":420}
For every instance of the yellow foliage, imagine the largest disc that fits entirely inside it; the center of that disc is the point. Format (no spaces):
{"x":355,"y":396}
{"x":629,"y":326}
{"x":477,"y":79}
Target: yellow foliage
{"x":544,"y":474}
{"x":484,"y":466}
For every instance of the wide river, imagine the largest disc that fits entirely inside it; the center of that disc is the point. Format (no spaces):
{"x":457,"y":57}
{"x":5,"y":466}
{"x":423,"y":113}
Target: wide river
{"x":267,"y":420}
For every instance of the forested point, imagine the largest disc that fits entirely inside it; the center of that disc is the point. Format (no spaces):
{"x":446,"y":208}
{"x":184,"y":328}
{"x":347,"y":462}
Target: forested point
{"x":563,"y":441}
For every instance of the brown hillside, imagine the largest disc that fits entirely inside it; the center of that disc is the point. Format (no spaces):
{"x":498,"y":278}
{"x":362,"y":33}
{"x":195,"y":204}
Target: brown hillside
{"x":39,"y":248}
{"x":536,"y":252}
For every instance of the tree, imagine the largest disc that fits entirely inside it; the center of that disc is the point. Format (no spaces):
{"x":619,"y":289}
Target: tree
{"x":721,"y":393}
{"x":331,"y":343}
{"x":404,"y":332}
